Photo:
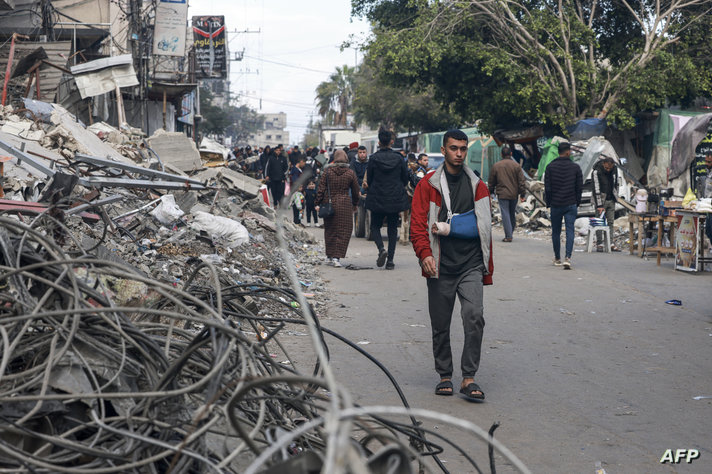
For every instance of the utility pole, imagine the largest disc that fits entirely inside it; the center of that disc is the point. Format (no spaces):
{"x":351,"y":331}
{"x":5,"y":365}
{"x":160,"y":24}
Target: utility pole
{"x":47,"y":23}
{"x":239,"y":56}
{"x":138,"y":40}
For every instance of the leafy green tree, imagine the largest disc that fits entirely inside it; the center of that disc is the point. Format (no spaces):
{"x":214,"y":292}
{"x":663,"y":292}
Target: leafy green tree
{"x":244,"y":121}
{"x":215,"y":119}
{"x":378,"y":103}
{"x":334,"y":97}
{"x":237,"y":122}
{"x":543,"y":61}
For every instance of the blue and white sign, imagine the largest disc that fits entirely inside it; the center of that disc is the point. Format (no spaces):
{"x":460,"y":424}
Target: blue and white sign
{"x":170,"y":28}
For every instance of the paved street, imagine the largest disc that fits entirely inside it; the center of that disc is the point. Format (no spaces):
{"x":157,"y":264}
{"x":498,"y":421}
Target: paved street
{"x":578,"y":366}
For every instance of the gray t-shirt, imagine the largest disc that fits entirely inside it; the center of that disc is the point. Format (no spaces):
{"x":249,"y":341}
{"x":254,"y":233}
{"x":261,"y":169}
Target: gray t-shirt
{"x":458,"y":255}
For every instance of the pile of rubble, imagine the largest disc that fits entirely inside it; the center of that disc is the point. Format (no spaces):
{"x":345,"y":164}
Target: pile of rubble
{"x":531,"y":214}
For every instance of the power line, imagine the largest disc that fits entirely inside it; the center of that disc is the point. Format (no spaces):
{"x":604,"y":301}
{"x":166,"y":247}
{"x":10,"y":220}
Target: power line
{"x":302,"y":105}
{"x":289,"y":65}
{"x":332,"y":46}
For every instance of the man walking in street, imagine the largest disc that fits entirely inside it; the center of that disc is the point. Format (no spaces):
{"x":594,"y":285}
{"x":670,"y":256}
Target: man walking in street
{"x":563,"y":184}
{"x":386,"y":176}
{"x":605,"y":187}
{"x":454,"y":265}
{"x":296,"y":172}
{"x":275,"y":174}
{"x":359,"y":164}
{"x":506,"y":180}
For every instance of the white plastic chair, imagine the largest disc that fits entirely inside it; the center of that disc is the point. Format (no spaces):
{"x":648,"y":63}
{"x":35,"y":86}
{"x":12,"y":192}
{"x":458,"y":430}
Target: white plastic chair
{"x":593,"y":235}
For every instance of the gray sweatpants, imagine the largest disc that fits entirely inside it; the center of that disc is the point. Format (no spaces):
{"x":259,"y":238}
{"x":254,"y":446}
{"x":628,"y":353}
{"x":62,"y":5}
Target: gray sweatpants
{"x":609,"y":207}
{"x":441,"y":301}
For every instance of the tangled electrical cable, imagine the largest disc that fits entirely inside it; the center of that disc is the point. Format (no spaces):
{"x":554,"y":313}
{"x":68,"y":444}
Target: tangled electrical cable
{"x":104,"y":369}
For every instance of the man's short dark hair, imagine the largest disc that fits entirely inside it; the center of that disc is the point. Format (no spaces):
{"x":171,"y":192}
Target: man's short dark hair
{"x":455,"y":134}
{"x":506,"y":151}
{"x":385,"y":137}
{"x":608,"y":159}
{"x":564,"y":146}
{"x":362,"y":147}
{"x":420,"y":157}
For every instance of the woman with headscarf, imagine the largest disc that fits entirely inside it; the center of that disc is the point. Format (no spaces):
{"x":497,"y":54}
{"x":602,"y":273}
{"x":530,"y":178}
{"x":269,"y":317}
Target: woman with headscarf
{"x":334,"y":185}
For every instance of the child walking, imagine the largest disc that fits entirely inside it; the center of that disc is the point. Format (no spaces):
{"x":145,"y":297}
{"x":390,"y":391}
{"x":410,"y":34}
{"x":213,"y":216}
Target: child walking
{"x":298,"y":205}
{"x":310,"y":199}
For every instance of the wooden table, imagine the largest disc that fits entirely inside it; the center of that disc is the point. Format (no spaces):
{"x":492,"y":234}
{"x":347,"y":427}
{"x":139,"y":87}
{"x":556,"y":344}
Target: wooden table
{"x":639,"y":220}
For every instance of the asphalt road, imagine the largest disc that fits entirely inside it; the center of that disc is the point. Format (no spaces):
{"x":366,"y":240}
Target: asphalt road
{"x":579,"y":367}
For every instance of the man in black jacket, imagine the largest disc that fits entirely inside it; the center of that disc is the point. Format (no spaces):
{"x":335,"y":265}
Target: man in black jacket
{"x":563,"y":183}
{"x":275,"y":174}
{"x":605,"y":187}
{"x":360,"y":163}
{"x":386,"y":177}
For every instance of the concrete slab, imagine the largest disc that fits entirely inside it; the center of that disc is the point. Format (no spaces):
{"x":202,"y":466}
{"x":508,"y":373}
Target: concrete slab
{"x":177,"y":149}
{"x":86,"y":141}
{"x":232,"y":179}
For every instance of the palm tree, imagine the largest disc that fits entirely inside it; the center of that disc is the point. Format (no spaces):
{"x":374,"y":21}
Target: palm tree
{"x":335,"y":96}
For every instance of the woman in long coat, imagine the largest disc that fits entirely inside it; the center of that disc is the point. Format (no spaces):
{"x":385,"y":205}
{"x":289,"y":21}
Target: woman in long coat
{"x":338,"y":179}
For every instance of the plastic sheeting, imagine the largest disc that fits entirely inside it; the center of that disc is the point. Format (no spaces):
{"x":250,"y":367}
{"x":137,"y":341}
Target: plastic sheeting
{"x":221,"y":228}
{"x":683,"y":146}
{"x":167,"y":211}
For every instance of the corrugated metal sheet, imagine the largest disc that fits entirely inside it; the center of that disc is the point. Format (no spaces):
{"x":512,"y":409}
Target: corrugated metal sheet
{"x":57,"y":53}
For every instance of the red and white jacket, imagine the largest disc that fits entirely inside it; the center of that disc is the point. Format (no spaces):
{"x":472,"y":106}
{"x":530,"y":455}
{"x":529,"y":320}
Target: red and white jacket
{"x":425,"y":209}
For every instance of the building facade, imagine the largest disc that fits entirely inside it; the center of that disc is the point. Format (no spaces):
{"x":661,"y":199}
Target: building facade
{"x":273,"y":131}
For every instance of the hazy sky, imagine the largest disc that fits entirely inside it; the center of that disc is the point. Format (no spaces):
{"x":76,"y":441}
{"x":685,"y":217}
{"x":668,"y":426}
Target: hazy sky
{"x":297,"y":47}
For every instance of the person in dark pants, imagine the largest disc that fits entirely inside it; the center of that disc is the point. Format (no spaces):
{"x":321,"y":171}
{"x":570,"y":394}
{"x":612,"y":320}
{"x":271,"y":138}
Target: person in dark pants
{"x":506,"y":179}
{"x":563,"y":184}
{"x":386,"y":177}
{"x":454,"y":266}
{"x":275,"y":174}
{"x":310,"y":204}
{"x":605,"y":188}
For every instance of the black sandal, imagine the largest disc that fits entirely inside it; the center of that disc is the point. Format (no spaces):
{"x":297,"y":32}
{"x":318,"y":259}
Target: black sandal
{"x":470,"y":395}
{"x":442,"y":388}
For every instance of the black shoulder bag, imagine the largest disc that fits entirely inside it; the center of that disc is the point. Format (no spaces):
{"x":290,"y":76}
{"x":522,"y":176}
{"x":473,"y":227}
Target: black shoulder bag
{"x":326,"y":210}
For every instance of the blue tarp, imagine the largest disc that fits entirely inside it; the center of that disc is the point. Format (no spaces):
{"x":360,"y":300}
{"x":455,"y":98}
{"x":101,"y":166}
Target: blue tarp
{"x":587,"y":128}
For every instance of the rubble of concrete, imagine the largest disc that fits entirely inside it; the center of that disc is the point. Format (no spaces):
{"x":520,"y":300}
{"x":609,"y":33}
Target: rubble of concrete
{"x":147,"y":281}
{"x":47,"y":143}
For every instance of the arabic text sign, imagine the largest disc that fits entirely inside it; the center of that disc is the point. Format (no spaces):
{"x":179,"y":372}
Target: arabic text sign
{"x":210,"y":46}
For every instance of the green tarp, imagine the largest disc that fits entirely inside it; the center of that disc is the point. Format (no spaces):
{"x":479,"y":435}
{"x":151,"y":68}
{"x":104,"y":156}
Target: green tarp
{"x":549,"y":153}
